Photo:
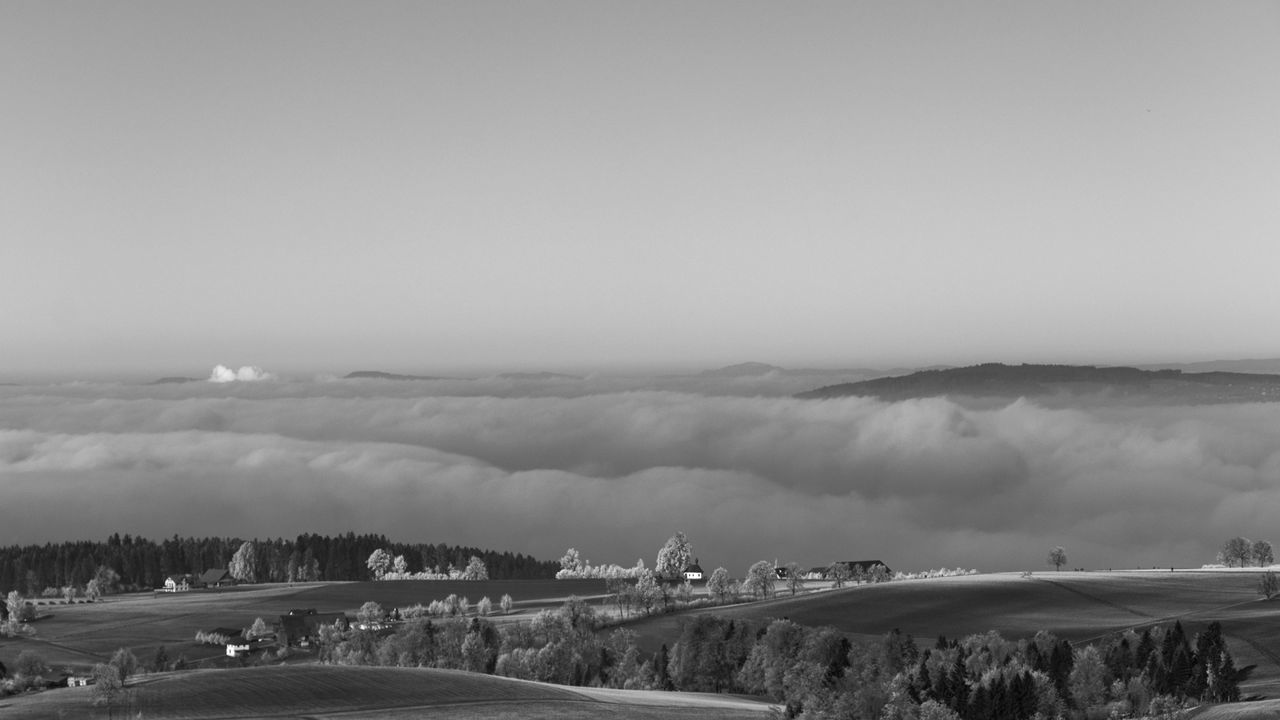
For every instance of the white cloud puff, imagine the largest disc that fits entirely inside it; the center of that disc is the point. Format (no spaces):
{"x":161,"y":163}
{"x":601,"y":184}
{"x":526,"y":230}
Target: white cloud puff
{"x":247,"y":373}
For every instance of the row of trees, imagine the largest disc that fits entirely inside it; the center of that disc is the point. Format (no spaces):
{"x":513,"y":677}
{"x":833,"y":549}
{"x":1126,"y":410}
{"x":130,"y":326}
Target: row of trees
{"x":574,"y":567}
{"x":819,"y":673}
{"x":558,"y":646}
{"x":136,"y":563}
{"x":1242,"y":551}
{"x":385,"y":567}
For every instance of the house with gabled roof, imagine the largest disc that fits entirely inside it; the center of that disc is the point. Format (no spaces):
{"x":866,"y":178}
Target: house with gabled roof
{"x":301,"y":627}
{"x":216,"y":577}
{"x":693,"y":572}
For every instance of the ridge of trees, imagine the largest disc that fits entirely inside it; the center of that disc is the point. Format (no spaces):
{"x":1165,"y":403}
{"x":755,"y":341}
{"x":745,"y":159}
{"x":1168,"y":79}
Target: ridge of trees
{"x":127,"y":563}
{"x":819,"y":672}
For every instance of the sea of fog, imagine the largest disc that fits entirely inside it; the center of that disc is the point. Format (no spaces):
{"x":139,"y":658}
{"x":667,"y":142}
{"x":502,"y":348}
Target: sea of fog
{"x":613,"y":466}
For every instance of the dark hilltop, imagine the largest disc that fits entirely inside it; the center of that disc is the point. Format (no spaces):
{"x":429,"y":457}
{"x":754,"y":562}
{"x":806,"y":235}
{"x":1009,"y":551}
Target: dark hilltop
{"x":379,"y":375}
{"x":997,"y":380}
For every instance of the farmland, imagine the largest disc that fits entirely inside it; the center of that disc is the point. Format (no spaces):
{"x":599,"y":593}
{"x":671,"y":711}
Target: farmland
{"x":1076,"y":606}
{"x":84,"y":634}
{"x":359,"y":692}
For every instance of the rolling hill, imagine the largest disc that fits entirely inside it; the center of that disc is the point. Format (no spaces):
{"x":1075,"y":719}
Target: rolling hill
{"x":1009,"y":381}
{"x":317,"y":691}
{"x":1080,"y":607}
{"x":380,"y":375}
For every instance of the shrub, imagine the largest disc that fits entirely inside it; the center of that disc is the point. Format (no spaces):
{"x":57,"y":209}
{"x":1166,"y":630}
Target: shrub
{"x":30,"y":664}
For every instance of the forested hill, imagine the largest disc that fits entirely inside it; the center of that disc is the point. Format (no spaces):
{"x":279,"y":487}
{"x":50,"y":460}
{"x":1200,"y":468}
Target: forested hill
{"x":136,"y":563}
{"x":999,"y":380}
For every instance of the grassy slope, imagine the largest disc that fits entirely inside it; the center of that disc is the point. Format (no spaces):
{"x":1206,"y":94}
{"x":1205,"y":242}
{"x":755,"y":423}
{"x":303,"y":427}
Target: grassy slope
{"x":80,"y":635}
{"x":1078,"y":606}
{"x":356,"y":692}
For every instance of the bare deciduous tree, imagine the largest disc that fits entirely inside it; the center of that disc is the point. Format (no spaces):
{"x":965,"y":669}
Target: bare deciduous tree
{"x":1058,"y":557}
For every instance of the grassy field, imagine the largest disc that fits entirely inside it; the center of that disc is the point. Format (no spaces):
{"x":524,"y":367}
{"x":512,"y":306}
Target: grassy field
{"x":81,"y":635}
{"x":358,"y":692}
{"x":1077,"y":606}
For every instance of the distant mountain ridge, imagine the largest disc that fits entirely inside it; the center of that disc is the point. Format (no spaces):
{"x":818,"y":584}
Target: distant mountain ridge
{"x":174,"y":380}
{"x":759,"y":369}
{"x":538,"y":376}
{"x":1000,"y":380}
{"x":379,"y":375}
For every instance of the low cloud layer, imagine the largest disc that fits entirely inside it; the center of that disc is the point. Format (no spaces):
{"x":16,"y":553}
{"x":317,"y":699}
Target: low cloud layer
{"x":920,"y":484}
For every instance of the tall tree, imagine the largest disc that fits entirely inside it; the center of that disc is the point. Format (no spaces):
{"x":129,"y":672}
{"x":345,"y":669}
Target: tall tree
{"x":1268,"y":585}
{"x":1058,"y":557}
{"x":759,"y":580}
{"x":718,"y":584}
{"x":674,"y":556}
{"x":107,"y":685}
{"x":795,"y":577}
{"x":244,"y":564}
{"x":1237,"y":550}
{"x":1262,"y":553}
{"x":839,"y":573}
{"x":475,"y":569}
{"x":378,"y":563}
{"x":124,"y":662}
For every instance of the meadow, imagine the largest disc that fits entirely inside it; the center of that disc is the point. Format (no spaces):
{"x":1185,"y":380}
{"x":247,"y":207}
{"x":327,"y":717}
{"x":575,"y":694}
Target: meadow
{"x":1078,"y":606}
{"x":83,"y":634}
{"x":319,"y":691}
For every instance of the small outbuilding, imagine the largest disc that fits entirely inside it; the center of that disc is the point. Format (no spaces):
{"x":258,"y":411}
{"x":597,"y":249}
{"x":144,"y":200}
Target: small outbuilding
{"x":693,"y":572}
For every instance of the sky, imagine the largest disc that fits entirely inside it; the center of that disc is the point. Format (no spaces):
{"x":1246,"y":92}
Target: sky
{"x":447,"y":187}
{"x":619,"y":190}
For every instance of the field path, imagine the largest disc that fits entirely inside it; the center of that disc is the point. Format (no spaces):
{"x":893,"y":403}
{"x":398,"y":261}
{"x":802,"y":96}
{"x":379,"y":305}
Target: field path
{"x":1258,"y":647}
{"x":1095,"y":598}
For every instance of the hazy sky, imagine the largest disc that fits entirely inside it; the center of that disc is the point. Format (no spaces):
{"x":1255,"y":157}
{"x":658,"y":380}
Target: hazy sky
{"x":581,"y":184}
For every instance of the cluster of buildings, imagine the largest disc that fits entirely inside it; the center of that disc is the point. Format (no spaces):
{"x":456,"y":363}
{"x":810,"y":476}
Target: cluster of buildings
{"x":213,"y":578}
{"x":856,"y":568}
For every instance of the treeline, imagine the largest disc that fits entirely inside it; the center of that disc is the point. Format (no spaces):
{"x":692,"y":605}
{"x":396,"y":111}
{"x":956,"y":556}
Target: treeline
{"x":819,"y":673}
{"x":1243,"y":551}
{"x":135,"y":563}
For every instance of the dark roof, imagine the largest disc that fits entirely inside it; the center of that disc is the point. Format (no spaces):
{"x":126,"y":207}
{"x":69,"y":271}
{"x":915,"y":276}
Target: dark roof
{"x":215,"y":575}
{"x":295,"y":627}
{"x":694,"y":568}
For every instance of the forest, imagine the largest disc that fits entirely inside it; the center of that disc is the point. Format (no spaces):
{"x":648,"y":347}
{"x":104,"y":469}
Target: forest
{"x":127,"y":563}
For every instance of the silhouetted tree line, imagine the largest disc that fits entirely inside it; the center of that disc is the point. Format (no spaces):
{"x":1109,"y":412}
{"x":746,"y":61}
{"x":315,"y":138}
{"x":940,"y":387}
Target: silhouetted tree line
{"x":139,"y":563}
